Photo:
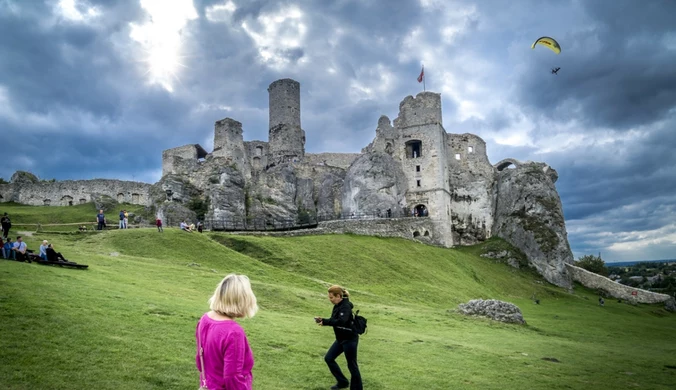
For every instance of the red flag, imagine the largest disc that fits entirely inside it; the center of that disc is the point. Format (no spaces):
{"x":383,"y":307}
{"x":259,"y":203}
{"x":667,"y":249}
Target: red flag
{"x":422,"y":75}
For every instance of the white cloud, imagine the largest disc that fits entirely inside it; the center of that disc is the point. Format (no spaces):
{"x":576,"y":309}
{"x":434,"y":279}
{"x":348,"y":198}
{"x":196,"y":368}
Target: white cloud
{"x":77,"y":11}
{"x":220,"y":12}
{"x":274,"y":34}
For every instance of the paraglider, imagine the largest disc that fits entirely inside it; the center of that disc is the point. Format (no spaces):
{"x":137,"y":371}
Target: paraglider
{"x":548,"y":43}
{"x":552,"y":45}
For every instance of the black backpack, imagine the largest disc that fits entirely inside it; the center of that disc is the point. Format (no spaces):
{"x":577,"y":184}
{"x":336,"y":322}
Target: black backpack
{"x":359,"y":324}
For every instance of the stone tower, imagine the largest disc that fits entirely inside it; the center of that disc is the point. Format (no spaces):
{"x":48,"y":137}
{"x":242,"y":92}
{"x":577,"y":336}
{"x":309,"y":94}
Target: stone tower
{"x":423,"y":156}
{"x":286,"y":138}
{"x":229,"y":142}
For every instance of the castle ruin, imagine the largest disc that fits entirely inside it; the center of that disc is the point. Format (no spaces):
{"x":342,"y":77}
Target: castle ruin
{"x":414,"y":180}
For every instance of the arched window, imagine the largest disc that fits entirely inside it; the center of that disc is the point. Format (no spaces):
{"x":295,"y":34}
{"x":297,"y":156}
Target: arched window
{"x":414,"y":149}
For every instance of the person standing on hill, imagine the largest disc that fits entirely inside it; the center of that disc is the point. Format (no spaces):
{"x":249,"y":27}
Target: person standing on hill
{"x":346,"y":339}
{"x":121,"y":220}
{"x":158,"y":222}
{"x":101,"y":220}
{"x":224,"y":358}
{"x":6,"y":224}
{"x":126,"y":219}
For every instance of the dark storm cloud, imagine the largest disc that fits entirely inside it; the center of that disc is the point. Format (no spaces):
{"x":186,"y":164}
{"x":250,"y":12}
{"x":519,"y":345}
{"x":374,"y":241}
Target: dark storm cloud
{"x":616,"y":72}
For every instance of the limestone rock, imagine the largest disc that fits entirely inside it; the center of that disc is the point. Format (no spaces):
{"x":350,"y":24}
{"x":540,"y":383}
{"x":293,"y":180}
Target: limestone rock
{"x":530,"y":217}
{"x":227,"y":195}
{"x":329,"y":192}
{"x":173,"y":188}
{"x":174,"y":213}
{"x":493,"y":309}
{"x":374,"y":182}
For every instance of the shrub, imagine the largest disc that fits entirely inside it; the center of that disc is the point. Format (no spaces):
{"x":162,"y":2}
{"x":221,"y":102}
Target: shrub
{"x":593,"y":264}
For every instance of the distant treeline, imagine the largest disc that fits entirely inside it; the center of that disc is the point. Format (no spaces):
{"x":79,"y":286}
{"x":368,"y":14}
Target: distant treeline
{"x":633,"y":263}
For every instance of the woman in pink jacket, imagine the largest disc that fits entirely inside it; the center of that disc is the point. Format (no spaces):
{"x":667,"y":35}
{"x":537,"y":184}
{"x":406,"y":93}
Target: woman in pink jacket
{"x":224,"y":357}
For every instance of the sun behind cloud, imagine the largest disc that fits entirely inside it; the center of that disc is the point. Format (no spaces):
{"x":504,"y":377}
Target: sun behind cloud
{"x":160,"y":38}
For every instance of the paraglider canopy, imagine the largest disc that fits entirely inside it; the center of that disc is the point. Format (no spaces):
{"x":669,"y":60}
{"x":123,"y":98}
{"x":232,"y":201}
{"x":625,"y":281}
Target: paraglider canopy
{"x":549,"y":43}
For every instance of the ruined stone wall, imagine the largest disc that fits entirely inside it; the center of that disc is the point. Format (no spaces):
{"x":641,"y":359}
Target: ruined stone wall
{"x":257,"y":152}
{"x":286,"y":138}
{"x":472,"y":181}
{"x":340,"y":160}
{"x":617,"y":290}
{"x":179,"y":161}
{"x":418,"y":229}
{"x":73,"y":192}
{"x":229,"y":141}
{"x":424,"y":109}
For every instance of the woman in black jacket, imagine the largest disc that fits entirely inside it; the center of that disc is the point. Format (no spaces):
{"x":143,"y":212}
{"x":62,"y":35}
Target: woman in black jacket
{"x":346,"y":339}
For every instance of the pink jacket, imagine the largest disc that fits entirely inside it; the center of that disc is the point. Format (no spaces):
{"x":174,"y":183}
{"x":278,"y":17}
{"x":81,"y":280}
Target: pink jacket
{"x":228,"y":359}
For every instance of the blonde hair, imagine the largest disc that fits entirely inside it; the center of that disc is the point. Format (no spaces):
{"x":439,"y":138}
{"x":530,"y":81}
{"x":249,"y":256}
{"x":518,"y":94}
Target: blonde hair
{"x":337,"y":290}
{"x":234,"y":298}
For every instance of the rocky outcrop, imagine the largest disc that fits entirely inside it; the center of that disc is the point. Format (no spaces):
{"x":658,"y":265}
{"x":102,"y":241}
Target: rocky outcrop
{"x":374,"y":182}
{"x":493,"y":309}
{"x":528,"y":214}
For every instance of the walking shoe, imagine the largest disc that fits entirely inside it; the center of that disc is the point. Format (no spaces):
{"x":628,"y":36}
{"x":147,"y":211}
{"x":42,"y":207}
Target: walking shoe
{"x":339,"y":386}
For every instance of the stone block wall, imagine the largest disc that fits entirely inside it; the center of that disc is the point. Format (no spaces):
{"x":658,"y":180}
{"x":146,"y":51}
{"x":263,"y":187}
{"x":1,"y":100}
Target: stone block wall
{"x":340,"y":160}
{"x":417,"y":229}
{"x":617,"y":290}
{"x":73,"y":192}
{"x":179,"y":160}
{"x":423,"y":109}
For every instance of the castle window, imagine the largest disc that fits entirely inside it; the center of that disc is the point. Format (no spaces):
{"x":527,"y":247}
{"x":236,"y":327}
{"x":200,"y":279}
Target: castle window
{"x":259,"y":150}
{"x":457,"y":156}
{"x":414,"y":149}
{"x":417,"y":168}
{"x":470,"y":149}
{"x":417,"y":182}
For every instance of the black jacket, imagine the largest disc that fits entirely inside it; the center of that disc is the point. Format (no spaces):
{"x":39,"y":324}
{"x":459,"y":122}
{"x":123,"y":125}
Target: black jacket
{"x":341,"y":320}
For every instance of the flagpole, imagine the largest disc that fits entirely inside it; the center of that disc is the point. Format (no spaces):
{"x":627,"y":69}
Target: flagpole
{"x":424,"y":76}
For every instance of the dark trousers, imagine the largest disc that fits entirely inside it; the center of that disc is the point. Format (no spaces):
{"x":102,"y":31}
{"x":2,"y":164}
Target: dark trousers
{"x":5,"y":230}
{"x":350,"y":349}
{"x":100,"y":226}
{"x":159,"y":229}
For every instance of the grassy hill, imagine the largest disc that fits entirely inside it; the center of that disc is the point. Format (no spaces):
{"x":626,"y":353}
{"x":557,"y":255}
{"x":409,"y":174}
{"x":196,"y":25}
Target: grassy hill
{"x":128,"y":322}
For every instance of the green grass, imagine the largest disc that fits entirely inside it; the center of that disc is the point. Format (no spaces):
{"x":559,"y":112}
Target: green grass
{"x":128,"y":322}
{"x":27,"y":218}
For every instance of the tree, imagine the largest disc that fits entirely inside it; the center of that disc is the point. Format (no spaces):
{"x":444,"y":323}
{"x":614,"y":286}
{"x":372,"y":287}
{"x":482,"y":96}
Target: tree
{"x":593,"y":264}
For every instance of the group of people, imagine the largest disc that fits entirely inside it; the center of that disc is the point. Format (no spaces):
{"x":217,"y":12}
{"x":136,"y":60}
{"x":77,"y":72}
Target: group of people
{"x":124,"y":219}
{"x":18,"y":250}
{"x":191,"y":228}
{"x":224,"y":358}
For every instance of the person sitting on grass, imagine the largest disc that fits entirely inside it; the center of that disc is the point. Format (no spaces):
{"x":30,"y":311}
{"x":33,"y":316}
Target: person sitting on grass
{"x":54,"y":256}
{"x":43,"y":249}
{"x":185,"y":227}
{"x":19,"y":250}
{"x":7,"y":248}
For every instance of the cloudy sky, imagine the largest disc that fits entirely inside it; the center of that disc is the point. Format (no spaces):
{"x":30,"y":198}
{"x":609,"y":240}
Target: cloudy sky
{"x":97,"y":89}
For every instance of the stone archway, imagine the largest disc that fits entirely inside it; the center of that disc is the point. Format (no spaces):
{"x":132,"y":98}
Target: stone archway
{"x":120,"y":198}
{"x":420,"y":211}
{"x":67,"y":200}
{"x":506,"y":163}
